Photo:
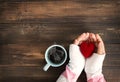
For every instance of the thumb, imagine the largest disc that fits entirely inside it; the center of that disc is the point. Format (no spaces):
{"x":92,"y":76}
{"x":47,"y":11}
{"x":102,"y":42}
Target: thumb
{"x":100,"y":45}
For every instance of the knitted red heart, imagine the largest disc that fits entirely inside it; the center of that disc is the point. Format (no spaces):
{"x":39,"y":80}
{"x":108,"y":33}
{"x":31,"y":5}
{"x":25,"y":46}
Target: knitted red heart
{"x":87,"y":48}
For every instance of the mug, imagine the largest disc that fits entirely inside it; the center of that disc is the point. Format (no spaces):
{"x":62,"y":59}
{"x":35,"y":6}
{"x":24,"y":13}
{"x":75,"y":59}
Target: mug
{"x":55,"y":56}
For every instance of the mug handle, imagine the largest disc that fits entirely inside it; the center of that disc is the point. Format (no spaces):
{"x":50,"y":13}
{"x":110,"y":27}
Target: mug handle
{"x":45,"y":68}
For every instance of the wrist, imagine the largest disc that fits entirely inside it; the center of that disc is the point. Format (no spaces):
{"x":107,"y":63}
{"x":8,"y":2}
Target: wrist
{"x":94,"y":64}
{"x":101,"y":52}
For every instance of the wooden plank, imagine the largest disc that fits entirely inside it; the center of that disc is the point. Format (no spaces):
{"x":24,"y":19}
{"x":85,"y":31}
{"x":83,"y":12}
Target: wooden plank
{"x":33,"y":55}
{"x":31,"y":72}
{"x":27,"y":79}
{"x":20,"y":11}
{"x":111,"y":74}
{"x":52,"y":32}
{"x":28,"y":27}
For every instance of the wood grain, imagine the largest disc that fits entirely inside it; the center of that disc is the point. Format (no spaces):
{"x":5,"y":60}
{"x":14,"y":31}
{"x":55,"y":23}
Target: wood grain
{"x":28,"y":27}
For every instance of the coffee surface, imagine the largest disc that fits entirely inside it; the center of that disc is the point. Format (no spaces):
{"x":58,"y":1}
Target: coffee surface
{"x":56,"y":55}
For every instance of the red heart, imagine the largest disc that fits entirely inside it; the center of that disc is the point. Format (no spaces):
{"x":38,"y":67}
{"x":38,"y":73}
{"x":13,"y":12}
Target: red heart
{"x":87,"y":48}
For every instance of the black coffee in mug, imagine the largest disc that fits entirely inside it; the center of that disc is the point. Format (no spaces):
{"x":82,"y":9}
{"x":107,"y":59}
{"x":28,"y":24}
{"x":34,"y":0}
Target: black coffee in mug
{"x":56,"y":55}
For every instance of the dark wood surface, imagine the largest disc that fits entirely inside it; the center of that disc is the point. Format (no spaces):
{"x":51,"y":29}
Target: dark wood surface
{"x":28,"y":27}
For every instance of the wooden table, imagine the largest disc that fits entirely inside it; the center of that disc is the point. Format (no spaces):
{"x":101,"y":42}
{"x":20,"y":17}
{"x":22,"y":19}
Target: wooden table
{"x":28,"y":27}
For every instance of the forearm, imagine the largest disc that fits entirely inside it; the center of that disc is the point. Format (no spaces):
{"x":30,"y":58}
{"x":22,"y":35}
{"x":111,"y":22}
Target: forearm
{"x":74,"y":67}
{"x":93,"y":68}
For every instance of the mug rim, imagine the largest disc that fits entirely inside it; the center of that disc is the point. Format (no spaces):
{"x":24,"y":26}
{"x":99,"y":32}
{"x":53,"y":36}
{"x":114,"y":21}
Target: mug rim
{"x":49,"y":62}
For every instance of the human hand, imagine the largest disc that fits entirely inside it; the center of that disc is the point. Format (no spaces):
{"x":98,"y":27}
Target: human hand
{"x":93,"y":66}
{"x":95,"y":38}
{"x":91,"y":37}
{"x":77,"y":60}
{"x":81,"y":38}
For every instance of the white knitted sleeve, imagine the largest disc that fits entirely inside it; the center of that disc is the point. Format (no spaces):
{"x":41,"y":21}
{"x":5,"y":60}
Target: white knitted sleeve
{"x":93,"y":66}
{"x":77,"y":60}
{"x":74,"y":67}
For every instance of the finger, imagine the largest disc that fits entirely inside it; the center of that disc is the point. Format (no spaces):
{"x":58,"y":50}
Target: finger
{"x":86,"y":37}
{"x":99,"y":39}
{"x":81,"y":37}
{"x":89,"y":38}
{"x":100,"y":45}
{"x":76,"y":42}
{"x":93,"y":37}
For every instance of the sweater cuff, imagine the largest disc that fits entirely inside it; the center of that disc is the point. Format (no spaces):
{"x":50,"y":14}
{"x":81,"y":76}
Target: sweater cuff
{"x":99,"y":78}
